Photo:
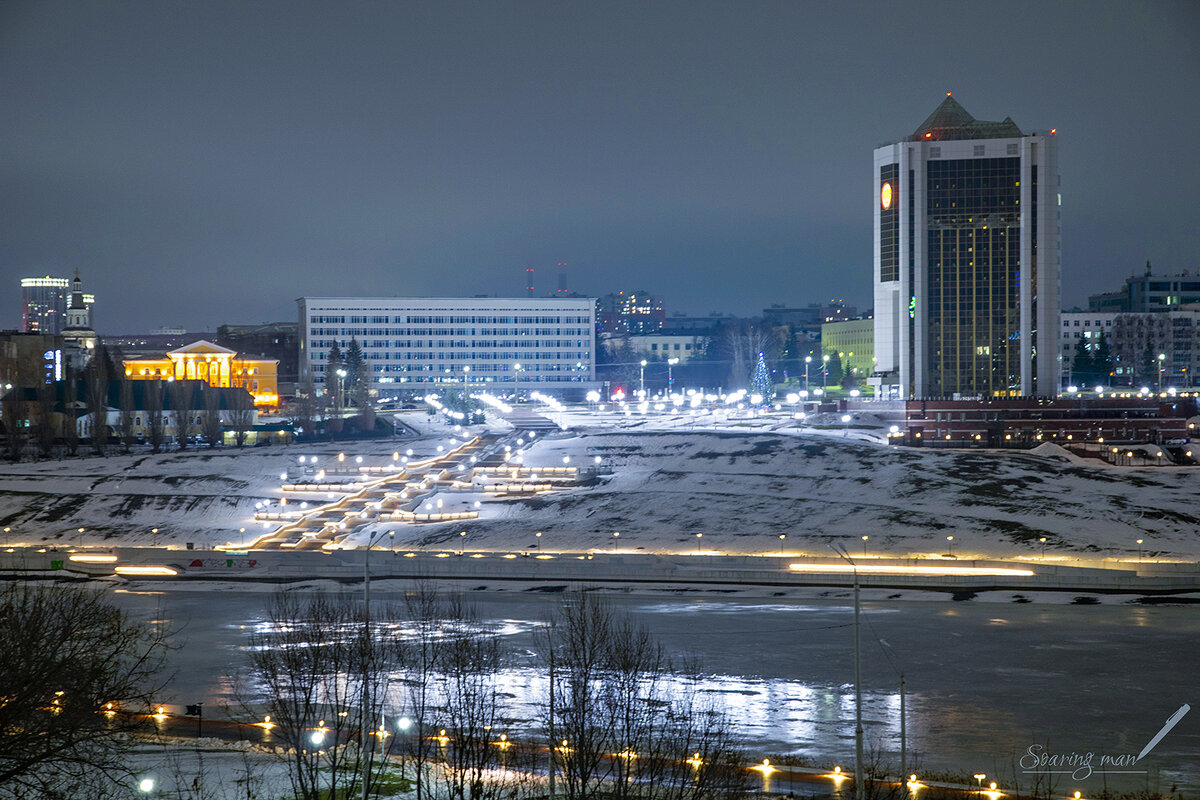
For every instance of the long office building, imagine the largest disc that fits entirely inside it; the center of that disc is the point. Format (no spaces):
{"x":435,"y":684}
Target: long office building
{"x":414,"y":344}
{"x":967,"y":265}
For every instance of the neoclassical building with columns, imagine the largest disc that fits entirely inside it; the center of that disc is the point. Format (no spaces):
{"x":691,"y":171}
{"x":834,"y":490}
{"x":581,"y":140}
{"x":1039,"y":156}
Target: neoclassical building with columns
{"x":216,"y":365}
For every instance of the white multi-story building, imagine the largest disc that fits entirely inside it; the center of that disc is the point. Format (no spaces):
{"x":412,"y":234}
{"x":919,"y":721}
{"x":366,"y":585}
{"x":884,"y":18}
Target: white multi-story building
{"x":967,"y":260}
{"x":1086,"y":327}
{"x":413,"y":344}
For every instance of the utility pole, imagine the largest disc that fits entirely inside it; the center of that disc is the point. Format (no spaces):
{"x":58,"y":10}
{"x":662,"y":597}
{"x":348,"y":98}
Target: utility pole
{"x":903,"y":736}
{"x":859,"y":788}
{"x":550,"y":640}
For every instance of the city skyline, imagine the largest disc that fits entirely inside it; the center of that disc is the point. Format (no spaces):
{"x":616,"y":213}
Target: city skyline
{"x":242,"y":156}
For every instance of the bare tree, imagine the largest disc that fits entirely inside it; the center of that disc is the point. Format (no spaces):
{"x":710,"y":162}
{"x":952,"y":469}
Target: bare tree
{"x":305,"y":408}
{"x":47,"y":434}
{"x":312,"y":663}
{"x":69,"y":658}
{"x":96,"y":378}
{"x":469,"y":665}
{"x":241,"y":414}
{"x":153,"y":400}
{"x":630,"y":722}
{"x":182,"y":411}
{"x":741,"y":344}
{"x":126,"y":418}
{"x":210,"y":421}
{"x":71,"y":416}
{"x":421,"y":652}
{"x":14,"y":423}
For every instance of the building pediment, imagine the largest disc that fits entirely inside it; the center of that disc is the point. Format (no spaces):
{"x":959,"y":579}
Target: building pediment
{"x":202,"y":347}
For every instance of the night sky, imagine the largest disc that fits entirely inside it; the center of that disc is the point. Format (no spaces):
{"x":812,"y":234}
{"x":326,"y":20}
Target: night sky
{"x":208,"y":162}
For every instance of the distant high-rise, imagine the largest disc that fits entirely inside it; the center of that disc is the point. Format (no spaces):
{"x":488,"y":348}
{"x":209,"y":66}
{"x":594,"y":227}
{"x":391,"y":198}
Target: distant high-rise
{"x":967,"y":264}
{"x":43,"y":304}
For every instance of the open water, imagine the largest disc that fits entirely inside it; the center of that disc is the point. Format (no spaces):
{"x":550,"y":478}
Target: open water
{"x":985,"y":682}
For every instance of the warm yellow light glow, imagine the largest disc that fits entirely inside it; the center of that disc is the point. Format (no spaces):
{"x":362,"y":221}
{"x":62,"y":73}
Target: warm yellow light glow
{"x":146,"y":571}
{"x":765,"y":767}
{"x":93,"y":558}
{"x":897,"y":569}
{"x":266,"y":724}
{"x":696,"y":761}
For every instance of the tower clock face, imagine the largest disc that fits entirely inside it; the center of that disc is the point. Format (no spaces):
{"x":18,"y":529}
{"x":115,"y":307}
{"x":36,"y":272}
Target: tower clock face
{"x":885,"y":196}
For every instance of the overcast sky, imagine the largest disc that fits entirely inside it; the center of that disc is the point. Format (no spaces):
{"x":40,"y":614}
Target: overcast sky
{"x":209,"y":162}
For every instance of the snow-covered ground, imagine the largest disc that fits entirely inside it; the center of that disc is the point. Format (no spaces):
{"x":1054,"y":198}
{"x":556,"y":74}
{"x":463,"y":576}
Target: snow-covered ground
{"x":740,"y":480}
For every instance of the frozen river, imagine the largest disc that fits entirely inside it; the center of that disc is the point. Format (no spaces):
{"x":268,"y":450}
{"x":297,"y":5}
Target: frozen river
{"x":985,"y":681}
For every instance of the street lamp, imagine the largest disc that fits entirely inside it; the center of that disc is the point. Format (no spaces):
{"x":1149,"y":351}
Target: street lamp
{"x":616,"y":535}
{"x":782,"y":536}
{"x":1043,"y":541}
{"x":807,"y":361}
{"x":366,"y":697}
{"x":341,"y":387}
{"x":1139,"y":543}
{"x":461,"y":541}
{"x":699,"y":536}
{"x":824,"y":370}
{"x":864,"y":538}
{"x":670,"y":379}
{"x":1161,"y":358}
{"x":642,"y":380}
{"x":950,"y":539}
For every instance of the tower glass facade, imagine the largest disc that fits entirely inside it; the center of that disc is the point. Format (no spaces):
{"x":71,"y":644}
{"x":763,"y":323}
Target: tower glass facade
{"x":966,"y":291}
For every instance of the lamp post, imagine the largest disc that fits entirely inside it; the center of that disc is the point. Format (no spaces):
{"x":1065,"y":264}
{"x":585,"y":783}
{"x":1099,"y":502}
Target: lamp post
{"x":1161,"y":358}
{"x":824,"y":370}
{"x":538,"y":544}
{"x":670,"y":378}
{"x":698,"y":537}
{"x":462,"y":541}
{"x":365,"y":714}
{"x":807,"y":361}
{"x":782,"y":536}
{"x":950,"y":539}
{"x":859,"y":787}
{"x":341,"y":388}
{"x":1139,"y":544}
{"x":864,"y":538}
{"x":1043,"y":541}
{"x":616,"y":535}
{"x":642,"y":380}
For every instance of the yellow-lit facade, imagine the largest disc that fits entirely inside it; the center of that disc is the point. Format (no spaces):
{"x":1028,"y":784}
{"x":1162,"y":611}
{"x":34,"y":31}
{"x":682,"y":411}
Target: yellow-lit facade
{"x":216,"y":365}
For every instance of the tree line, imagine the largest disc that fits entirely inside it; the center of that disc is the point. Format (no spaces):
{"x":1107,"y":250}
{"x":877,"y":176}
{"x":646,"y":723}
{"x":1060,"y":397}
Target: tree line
{"x":617,"y":718}
{"x":45,"y":419}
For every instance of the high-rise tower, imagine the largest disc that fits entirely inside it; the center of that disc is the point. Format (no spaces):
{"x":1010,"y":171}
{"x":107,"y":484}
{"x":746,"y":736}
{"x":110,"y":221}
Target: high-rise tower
{"x":967,"y":264}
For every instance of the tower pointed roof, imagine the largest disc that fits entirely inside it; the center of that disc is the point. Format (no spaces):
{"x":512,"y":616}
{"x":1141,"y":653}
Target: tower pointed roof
{"x":951,"y":121}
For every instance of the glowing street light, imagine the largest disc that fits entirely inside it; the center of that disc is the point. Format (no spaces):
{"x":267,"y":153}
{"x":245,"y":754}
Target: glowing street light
{"x":1139,"y":544}
{"x":670,"y":380}
{"x":1043,"y":541}
{"x":950,"y":539}
{"x":782,"y":536}
{"x":616,"y":535}
{"x":807,"y":361}
{"x":864,"y":538}
{"x":699,"y":536}
{"x":642,"y":379}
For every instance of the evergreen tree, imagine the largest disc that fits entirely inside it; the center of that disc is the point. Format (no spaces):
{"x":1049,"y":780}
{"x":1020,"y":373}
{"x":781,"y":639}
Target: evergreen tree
{"x":354,"y":365}
{"x":1083,"y":366}
{"x":760,"y":382}
{"x":1102,"y":361}
{"x":333,"y":381}
{"x":833,"y":369}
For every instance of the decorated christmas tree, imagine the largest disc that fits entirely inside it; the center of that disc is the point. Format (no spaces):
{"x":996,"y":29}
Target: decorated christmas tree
{"x":760,"y":383}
